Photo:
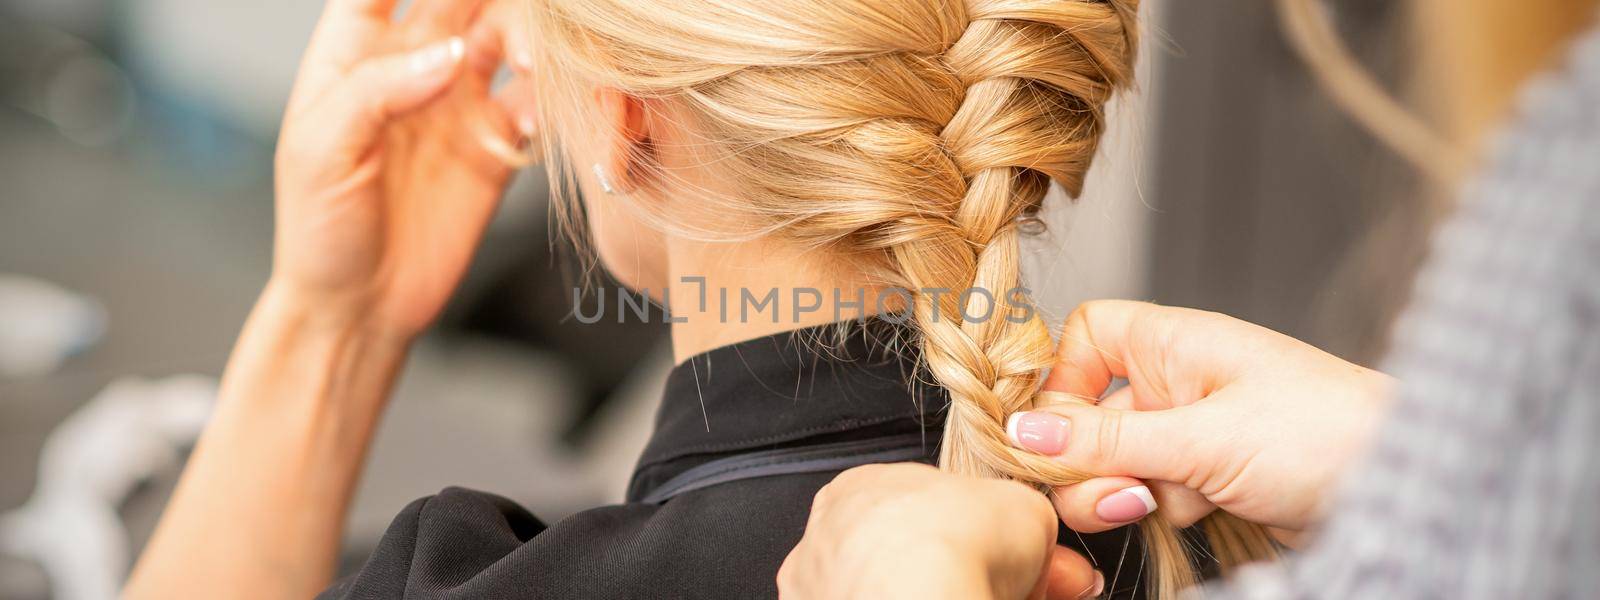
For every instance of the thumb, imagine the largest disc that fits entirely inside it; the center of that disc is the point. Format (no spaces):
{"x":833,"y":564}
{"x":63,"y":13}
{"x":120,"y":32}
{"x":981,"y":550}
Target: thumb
{"x":1155,"y":444}
{"x":382,"y":88}
{"x":1069,"y":576}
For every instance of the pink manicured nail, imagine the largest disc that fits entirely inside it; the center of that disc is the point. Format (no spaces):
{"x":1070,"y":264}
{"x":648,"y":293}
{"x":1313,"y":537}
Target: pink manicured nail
{"x":1042,"y":432}
{"x":1099,"y":585}
{"x":1126,"y":505}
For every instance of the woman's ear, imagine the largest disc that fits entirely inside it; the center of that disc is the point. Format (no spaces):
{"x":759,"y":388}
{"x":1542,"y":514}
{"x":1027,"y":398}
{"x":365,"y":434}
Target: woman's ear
{"x":624,"y":143}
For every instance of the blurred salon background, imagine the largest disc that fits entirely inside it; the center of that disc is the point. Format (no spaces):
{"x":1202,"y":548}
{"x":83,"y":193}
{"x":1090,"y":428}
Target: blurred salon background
{"x":136,"y":142}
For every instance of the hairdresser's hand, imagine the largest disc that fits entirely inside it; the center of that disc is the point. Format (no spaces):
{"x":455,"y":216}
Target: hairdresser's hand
{"x":1217,"y":413}
{"x":910,"y":531}
{"x":382,"y":193}
{"x":385,"y":180}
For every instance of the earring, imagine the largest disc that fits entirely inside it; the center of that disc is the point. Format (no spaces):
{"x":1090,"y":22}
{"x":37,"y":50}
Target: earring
{"x":605,"y":181}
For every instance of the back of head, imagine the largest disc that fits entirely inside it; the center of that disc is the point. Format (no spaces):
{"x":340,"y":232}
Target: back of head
{"x":913,"y":138}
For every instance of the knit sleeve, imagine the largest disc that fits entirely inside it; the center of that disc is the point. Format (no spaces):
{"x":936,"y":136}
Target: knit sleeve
{"x":1484,"y":480}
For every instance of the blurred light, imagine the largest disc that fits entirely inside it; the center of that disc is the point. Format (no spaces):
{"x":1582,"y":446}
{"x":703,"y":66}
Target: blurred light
{"x":41,"y":325}
{"x":89,"y":100}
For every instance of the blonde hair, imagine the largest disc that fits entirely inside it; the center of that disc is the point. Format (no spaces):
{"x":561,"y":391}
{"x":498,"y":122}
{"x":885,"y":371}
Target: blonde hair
{"x":912,"y":137}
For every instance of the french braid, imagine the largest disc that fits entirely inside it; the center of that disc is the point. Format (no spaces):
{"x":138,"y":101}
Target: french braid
{"x":913,"y":137}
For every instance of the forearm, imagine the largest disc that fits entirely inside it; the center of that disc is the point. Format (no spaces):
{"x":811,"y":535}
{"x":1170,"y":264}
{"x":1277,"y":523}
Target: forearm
{"x":261,"y":505}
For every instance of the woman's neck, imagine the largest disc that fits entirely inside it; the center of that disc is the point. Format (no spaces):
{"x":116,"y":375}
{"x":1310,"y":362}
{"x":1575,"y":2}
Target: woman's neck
{"x":724,"y":293}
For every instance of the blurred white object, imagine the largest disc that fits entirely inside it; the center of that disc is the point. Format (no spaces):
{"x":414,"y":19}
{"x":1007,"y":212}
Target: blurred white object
{"x":236,"y":59}
{"x":131,"y":431}
{"x":41,"y":325}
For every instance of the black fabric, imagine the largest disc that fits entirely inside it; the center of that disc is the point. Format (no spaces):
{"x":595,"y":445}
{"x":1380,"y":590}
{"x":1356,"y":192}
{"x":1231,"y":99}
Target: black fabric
{"x":834,"y":457}
{"x":800,"y":389}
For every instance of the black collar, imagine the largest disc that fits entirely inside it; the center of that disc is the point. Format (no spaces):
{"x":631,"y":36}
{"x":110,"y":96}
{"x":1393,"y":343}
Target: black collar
{"x":825,"y":384}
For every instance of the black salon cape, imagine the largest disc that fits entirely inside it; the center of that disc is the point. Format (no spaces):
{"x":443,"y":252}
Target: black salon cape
{"x":799,"y":388}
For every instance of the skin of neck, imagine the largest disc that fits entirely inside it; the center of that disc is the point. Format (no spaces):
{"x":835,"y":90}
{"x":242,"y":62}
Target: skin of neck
{"x":707,"y":282}
{"x":719,"y":292}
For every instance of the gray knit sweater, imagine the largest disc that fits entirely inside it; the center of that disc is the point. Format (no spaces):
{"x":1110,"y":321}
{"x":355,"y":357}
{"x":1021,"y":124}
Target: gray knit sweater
{"x":1485,"y":481}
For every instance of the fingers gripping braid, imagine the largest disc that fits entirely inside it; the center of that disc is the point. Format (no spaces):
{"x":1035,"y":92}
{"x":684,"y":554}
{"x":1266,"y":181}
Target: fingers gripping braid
{"x":909,"y":137}
{"x":1037,"y":75}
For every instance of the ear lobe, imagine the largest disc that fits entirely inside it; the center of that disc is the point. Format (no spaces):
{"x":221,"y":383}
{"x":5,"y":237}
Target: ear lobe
{"x":625,"y":138}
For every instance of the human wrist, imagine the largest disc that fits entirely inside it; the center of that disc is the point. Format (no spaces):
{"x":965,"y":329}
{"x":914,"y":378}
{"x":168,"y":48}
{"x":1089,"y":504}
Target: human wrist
{"x":296,"y":354}
{"x":351,"y":315}
{"x":1346,"y":430}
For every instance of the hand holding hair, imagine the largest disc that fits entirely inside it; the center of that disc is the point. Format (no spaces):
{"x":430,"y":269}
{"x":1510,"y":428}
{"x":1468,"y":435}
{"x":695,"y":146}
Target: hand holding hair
{"x":384,"y":187}
{"x":389,"y":165}
{"x":910,"y":531}
{"x":1217,"y":413}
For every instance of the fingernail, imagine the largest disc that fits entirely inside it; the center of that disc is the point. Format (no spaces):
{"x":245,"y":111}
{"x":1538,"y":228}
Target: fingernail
{"x":438,"y":55}
{"x":1099,"y":585}
{"x":1042,"y":432}
{"x":523,"y":61}
{"x":1126,"y":505}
